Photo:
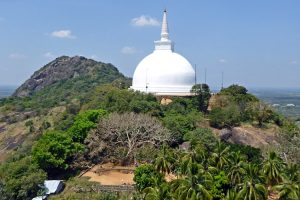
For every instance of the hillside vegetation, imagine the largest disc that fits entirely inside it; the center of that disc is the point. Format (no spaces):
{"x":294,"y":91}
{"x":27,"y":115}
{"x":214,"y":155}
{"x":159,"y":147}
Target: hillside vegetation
{"x":55,"y":92}
{"x":72,"y":124}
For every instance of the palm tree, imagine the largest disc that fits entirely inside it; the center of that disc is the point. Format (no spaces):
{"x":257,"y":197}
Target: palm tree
{"x":187,"y":160}
{"x":236,"y":170}
{"x":272,"y":168}
{"x":193,"y":186}
{"x":292,"y":173}
{"x":231,"y":195}
{"x":157,"y":192}
{"x":252,"y":188}
{"x":220,"y":156}
{"x":162,"y":162}
{"x":287,"y":190}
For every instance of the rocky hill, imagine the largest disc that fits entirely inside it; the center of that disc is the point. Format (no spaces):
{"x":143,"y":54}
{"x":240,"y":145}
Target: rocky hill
{"x":60,"y":69}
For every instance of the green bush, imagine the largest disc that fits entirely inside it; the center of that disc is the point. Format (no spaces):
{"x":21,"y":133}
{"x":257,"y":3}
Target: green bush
{"x":220,"y":185}
{"x":225,"y":117}
{"x":202,"y":136}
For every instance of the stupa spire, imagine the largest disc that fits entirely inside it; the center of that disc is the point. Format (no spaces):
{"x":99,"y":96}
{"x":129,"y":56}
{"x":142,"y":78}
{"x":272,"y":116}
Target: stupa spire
{"x":164,"y":43}
{"x":164,"y":28}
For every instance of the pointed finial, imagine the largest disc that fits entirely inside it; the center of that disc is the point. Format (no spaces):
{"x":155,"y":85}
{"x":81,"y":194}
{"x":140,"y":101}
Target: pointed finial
{"x":164,"y":28}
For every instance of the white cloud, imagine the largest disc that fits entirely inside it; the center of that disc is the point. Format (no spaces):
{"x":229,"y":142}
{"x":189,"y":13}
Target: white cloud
{"x":222,"y":60}
{"x":49,"y":55}
{"x":17,"y":56}
{"x":128,"y":50}
{"x":294,"y":62}
{"x":63,"y":34}
{"x":145,"y":21}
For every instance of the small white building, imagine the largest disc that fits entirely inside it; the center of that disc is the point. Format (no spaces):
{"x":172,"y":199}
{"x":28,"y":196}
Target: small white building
{"x":51,"y":187}
{"x":164,"y":72}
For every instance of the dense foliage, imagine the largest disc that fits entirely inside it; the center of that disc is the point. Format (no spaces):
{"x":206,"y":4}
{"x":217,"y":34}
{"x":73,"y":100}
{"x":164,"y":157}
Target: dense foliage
{"x":234,"y":105}
{"x":221,"y":173}
{"x":111,"y":123}
{"x":54,"y":150}
{"x":20,"y":179}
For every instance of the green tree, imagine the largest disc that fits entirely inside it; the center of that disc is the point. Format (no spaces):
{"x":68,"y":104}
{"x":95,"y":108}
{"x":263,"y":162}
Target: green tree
{"x":291,"y":172}
{"x":262,"y":113}
{"x":190,"y":159}
{"x":21,"y":179}
{"x":147,"y":176}
{"x":160,"y":191}
{"x":234,"y":90}
{"x":253,"y":187}
{"x":220,"y":155}
{"x":202,"y":96}
{"x":180,"y":124}
{"x":236,"y":171}
{"x":194,"y":185}
{"x":83,"y":123}
{"x":163,"y":161}
{"x":54,"y":150}
{"x":288,"y":190}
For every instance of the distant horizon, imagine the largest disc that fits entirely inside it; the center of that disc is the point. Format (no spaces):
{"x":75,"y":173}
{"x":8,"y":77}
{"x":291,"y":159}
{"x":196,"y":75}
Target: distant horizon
{"x":251,"y":89}
{"x":213,"y":87}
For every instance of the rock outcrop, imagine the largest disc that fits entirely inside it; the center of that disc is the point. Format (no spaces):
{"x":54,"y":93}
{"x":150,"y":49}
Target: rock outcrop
{"x":62,"y":68}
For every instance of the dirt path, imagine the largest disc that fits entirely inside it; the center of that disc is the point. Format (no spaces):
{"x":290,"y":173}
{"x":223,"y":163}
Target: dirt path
{"x":108,"y":174}
{"x":111,"y":178}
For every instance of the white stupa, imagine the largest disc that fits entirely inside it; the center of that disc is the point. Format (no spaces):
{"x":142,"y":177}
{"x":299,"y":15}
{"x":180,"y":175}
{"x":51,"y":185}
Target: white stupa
{"x":164,"y":72}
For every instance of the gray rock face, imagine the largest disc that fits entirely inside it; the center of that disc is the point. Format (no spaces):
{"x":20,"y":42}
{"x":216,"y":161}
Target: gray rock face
{"x":225,"y":134}
{"x":61,"y":68}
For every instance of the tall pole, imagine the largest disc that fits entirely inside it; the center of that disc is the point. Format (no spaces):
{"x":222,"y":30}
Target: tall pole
{"x":146,"y":80}
{"x":222,"y":80}
{"x":195,"y":74}
{"x":205,"y":75}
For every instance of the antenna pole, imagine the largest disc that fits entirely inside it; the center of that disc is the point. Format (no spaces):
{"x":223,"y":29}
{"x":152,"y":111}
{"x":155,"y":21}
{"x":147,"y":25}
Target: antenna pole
{"x":205,"y":75}
{"x":222,"y":80}
{"x":146,"y":80}
{"x":195,"y":74}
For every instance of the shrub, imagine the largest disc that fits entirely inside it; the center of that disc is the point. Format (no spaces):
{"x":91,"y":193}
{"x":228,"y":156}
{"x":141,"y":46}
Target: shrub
{"x":202,"y":136}
{"x":225,"y":117}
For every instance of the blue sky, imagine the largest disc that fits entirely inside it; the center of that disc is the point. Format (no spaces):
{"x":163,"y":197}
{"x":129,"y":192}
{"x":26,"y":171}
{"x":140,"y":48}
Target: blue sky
{"x":255,"y":43}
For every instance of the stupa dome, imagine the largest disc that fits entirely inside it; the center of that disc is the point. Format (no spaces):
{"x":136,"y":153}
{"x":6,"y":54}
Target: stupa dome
{"x":164,"y":72}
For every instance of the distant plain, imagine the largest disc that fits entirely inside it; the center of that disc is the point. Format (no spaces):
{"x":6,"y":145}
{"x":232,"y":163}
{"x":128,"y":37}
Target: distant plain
{"x":272,"y":96}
